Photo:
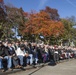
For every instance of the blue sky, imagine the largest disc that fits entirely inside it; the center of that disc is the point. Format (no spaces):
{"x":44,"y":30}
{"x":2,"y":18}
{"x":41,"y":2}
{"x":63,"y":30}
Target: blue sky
{"x":65,"y":7}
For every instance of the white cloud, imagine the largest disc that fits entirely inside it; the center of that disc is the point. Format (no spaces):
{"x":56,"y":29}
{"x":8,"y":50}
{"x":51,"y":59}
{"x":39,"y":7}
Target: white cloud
{"x":42,"y":3}
{"x":70,"y":2}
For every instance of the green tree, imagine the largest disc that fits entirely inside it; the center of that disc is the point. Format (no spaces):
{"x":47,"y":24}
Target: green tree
{"x":69,"y":29}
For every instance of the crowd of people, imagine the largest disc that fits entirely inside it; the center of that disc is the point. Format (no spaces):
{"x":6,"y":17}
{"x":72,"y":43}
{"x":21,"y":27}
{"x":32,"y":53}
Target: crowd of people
{"x":19,"y":54}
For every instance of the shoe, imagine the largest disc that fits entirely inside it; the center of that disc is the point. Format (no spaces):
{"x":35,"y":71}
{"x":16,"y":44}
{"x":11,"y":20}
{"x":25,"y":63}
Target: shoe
{"x":19,"y":66}
{"x":31,"y":64}
{"x":22,"y":68}
{"x":16,"y":67}
{"x":10,"y":69}
{"x":34,"y":66}
{"x":3,"y":70}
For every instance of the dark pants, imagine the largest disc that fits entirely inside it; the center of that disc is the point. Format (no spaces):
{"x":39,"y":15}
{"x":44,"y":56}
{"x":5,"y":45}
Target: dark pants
{"x":4,"y":63}
{"x":56,"y":57}
{"x":24,"y":61}
{"x":15,"y":62}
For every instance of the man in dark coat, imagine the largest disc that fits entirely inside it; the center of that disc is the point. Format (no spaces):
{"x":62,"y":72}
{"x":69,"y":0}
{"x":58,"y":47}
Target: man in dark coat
{"x":12,"y":54}
{"x":3,"y":61}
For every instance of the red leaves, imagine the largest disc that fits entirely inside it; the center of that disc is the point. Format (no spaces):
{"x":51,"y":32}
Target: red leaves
{"x":41,"y":23}
{"x":1,"y":0}
{"x":53,"y":13}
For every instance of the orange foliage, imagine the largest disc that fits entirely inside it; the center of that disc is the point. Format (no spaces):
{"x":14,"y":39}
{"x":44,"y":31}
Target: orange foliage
{"x":41,"y":23}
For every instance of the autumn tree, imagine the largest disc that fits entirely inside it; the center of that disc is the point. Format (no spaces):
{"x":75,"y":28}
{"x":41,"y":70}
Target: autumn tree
{"x":41,"y":24}
{"x":53,"y":13}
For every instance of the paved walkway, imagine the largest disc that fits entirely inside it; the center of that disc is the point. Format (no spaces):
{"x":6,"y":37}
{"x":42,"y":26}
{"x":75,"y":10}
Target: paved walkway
{"x":64,"y":68}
